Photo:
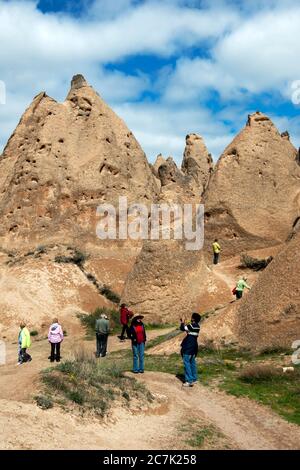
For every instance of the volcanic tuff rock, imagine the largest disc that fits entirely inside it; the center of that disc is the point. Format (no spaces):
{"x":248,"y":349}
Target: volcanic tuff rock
{"x":167,"y":279}
{"x":270,"y":314}
{"x":253,"y":197}
{"x":197,"y":162}
{"x":62,"y":161}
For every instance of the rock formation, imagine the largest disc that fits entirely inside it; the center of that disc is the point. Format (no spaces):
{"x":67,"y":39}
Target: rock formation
{"x":167,"y":280}
{"x":62,"y":161}
{"x":253,"y":197}
{"x":197,"y":162}
{"x":270,"y":314}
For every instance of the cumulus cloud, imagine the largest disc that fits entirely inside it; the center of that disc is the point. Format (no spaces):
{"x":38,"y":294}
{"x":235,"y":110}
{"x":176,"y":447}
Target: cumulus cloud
{"x":260,"y":55}
{"x":247,"y":48}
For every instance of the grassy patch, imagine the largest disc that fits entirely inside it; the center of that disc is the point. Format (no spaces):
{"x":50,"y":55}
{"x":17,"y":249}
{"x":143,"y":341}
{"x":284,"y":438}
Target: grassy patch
{"x":162,"y":338}
{"x":241,"y":374}
{"x":92,"y":385}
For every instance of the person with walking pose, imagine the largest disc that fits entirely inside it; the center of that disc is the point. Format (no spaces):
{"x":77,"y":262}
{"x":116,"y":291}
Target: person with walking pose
{"x":240,"y":286}
{"x":55,"y":337}
{"x":24,"y":343}
{"x":189,"y":349}
{"x":138,"y":338}
{"x":102,"y":332}
{"x":125,"y":316}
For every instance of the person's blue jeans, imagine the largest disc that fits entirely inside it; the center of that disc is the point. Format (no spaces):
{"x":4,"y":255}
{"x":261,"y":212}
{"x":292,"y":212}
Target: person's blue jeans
{"x":138,"y":357}
{"x":190,"y":368}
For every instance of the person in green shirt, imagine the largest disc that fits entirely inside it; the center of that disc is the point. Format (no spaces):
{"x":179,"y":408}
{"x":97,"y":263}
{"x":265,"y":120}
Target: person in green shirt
{"x":102,"y":332}
{"x":216,"y":251}
{"x":240,"y":286}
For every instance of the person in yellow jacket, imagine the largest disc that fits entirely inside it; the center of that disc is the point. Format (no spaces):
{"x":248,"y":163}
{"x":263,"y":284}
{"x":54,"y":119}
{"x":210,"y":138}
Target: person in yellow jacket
{"x":24,"y":342}
{"x":216,"y":251}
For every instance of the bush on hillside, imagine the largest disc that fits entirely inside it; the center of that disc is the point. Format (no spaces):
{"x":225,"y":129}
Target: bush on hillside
{"x":254,"y":263}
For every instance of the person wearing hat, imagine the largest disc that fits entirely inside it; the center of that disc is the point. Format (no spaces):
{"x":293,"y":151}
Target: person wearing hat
{"x":138,"y":338}
{"x":102,"y":332}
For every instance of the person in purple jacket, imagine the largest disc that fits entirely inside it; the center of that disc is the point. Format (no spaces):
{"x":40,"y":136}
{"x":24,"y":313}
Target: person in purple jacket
{"x":55,"y":337}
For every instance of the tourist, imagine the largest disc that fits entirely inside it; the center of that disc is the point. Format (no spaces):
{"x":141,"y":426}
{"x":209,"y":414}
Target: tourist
{"x":189,"y":349}
{"x":24,"y":343}
{"x":138,"y":337}
{"x":125,"y":316}
{"x":55,"y":337}
{"x":240,"y":286}
{"x":102,"y":332}
{"x":216,"y":251}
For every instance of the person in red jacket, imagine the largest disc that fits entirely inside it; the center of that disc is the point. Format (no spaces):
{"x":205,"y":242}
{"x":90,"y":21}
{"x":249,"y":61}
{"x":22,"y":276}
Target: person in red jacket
{"x":138,"y":339}
{"x":125,"y":316}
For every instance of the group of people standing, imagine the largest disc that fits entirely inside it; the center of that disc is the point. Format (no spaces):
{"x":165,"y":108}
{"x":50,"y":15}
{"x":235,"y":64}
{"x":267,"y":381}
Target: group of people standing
{"x":55,"y":338}
{"x":135,"y":331}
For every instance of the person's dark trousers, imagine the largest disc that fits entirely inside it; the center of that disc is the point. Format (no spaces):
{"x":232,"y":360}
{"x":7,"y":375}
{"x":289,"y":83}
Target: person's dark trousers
{"x":216,"y":258}
{"x":125,"y":328}
{"x":55,"y":352}
{"x":25,"y":356}
{"x":239,"y":294}
{"x":101,"y":345}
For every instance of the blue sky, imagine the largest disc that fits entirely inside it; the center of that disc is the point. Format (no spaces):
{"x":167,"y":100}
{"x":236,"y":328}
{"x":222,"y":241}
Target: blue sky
{"x":168,"y":67}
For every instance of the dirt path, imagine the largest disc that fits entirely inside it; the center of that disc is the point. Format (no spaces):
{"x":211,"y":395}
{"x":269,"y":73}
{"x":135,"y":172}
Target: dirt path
{"x":237,"y":423}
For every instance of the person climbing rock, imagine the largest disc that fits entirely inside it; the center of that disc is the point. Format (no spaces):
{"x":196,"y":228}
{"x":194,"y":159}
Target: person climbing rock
{"x":240,"y":286}
{"x":189,"y":349}
{"x":24,"y":343}
{"x":55,"y":337}
{"x":138,"y":338}
{"x":125,"y":316}
{"x":102,"y":332}
{"x":216,"y":251}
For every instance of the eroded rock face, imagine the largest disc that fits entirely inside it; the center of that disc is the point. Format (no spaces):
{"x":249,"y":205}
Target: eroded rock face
{"x":253,"y":197}
{"x":165,"y":281}
{"x":62,"y":161}
{"x":197,"y":162}
{"x":270,"y":314}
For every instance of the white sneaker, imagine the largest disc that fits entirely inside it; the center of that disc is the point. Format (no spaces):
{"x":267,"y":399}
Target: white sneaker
{"x":187,"y":384}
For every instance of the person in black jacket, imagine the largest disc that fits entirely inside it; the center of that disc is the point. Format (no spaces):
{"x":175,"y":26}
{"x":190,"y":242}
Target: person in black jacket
{"x":138,"y":338}
{"x":189,"y":349}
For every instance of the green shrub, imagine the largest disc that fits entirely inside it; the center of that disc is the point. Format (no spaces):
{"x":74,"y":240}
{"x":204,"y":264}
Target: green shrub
{"x":110,"y":295}
{"x":34,"y":333}
{"x":255,"y":264}
{"x":91,"y":384}
{"x":44,"y":402}
{"x":89,"y":321}
{"x":77,"y":258}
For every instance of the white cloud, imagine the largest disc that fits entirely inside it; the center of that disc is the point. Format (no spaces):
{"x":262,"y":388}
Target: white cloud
{"x":259,"y":55}
{"x":162,"y":128}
